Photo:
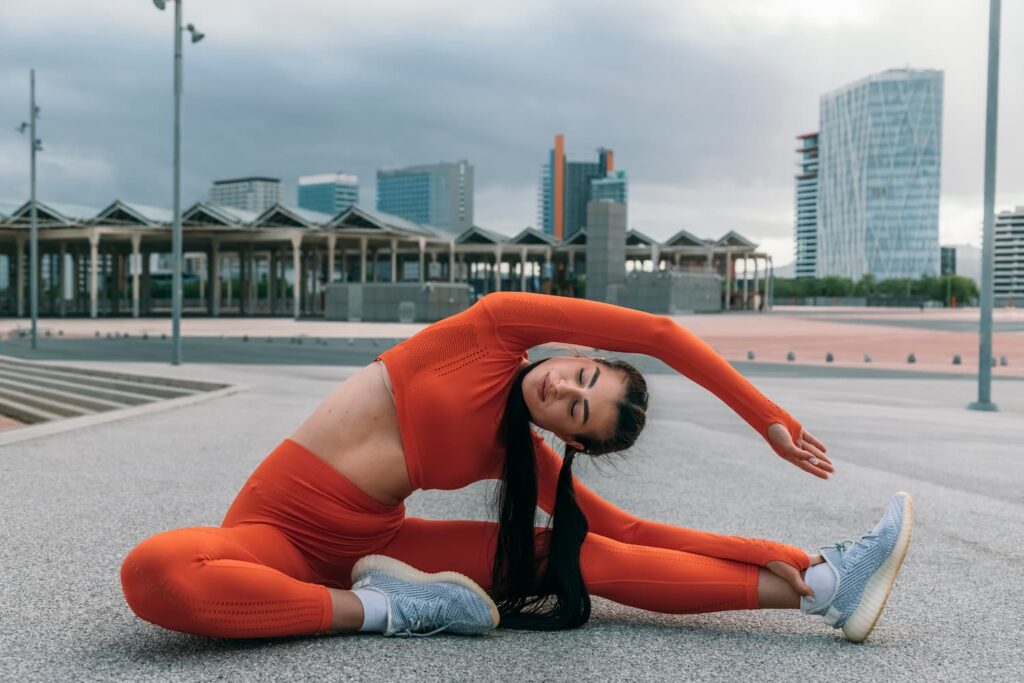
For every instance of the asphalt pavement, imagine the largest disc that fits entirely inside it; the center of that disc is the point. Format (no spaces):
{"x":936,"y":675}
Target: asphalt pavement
{"x":75,"y":503}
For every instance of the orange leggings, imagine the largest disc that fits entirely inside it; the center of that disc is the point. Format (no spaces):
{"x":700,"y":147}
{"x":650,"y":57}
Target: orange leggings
{"x":298,"y":526}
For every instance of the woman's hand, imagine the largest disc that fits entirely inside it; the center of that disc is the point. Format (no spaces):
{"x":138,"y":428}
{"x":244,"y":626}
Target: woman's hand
{"x":792,"y":575}
{"x":807,"y":453}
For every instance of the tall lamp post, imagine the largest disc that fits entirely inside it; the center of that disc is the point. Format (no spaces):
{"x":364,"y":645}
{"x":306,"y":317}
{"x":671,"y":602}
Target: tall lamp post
{"x":176,"y":240}
{"x":984,"y":401}
{"x":34,"y":145}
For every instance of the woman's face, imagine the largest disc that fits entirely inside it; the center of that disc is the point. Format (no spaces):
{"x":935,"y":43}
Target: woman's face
{"x":574,"y":397}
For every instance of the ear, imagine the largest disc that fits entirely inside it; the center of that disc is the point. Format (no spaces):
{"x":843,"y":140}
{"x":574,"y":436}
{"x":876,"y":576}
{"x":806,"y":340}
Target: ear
{"x":572,"y":442}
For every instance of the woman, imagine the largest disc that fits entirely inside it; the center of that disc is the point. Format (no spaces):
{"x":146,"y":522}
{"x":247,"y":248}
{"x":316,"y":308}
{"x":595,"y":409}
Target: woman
{"x":317,"y":539}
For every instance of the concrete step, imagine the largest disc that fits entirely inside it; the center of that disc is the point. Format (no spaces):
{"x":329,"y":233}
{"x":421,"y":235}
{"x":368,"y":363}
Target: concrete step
{"x":156,"y":387}
{"x":70,"y":398}
{"x":33,"y":392}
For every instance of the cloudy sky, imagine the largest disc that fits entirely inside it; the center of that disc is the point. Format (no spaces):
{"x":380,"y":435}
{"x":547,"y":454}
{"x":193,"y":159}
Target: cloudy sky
{"x":700,"y":99}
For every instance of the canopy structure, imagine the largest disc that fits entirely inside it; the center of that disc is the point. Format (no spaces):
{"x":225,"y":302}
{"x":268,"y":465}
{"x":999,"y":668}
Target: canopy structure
{"x":115,"y":260}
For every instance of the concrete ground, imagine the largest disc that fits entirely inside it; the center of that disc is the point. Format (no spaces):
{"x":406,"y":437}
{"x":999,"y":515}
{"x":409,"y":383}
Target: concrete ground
{"x":75,"y":503}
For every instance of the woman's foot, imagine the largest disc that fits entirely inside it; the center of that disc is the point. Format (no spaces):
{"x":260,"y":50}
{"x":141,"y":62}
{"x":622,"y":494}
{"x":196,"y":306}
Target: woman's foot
{"x":421,"y":604}
{"x":865,"y":572}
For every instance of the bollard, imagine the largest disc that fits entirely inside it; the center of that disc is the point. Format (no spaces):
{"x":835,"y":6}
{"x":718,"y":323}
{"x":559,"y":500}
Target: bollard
{"x":956,"y":359}
{"x":145,"y":336}
{"x":791,"y":356}
{"x":298,"y":340}
{"x":270,"y":340}
{"x":867,"y":357}
{"x":829,"y":357}
{"x":60,"y":333}
{"x":911,"y":358}
{"x":1003,"y":361}
{"x":351,"y":341}
{"x":993,"y":361}
{"x":750,"y":355}
{"x":97,"y":334}
{"x":163,"y":336}
{"x":245,"y":337}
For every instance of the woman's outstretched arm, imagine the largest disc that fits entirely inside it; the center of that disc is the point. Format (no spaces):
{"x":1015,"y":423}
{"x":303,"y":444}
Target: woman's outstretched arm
{"x":605,"y":519}
{"x":522,"y":321}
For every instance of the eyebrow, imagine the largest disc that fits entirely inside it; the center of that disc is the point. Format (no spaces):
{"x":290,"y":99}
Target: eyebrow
{"x":586,"y":402}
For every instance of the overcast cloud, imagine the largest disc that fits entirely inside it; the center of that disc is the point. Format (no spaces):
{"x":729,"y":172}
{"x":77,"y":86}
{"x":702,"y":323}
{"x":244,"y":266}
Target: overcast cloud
{"x":701,"y":100}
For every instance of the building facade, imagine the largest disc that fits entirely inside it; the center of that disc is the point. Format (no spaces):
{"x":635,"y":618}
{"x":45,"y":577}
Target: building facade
{"x":879,"y":164}
{"x":256,"y":194}
{"x":614,"y":186}
{"x":328,"y":192}
{"x":806,"y":262}
{"x":566,"y":187}
{"x":438,"y":195}
{"x":1008,"y":258}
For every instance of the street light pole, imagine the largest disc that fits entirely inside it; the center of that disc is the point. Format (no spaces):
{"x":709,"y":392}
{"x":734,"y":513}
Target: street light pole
{"x":176,"y":237}
{"x":991,"y":120}
{"x":33,"y":249}
{"x":176,"y":240}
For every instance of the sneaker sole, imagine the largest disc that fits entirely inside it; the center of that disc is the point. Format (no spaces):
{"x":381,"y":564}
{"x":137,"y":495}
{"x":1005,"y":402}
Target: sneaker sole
{"x":401,"y":570}
{"x":860,"y":624}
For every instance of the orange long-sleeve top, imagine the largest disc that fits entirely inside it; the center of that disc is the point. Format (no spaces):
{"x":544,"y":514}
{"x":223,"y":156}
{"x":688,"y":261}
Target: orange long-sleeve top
{"x":451,"y":382}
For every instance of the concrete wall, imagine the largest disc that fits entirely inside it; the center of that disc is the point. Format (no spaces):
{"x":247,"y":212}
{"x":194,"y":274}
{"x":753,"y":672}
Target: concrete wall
{"x":606,"y":249}
{"x":395,"y":302}
{"x":669,"y":292}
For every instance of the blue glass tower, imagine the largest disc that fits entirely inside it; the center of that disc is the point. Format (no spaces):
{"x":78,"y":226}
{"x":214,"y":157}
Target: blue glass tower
{"x":879,"y":167}
{"x":329,"y":193}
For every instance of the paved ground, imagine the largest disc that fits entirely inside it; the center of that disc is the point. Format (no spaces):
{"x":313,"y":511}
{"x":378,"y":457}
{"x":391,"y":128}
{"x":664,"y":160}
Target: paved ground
{"x":73,"y":504}
{"x":934,"y":336}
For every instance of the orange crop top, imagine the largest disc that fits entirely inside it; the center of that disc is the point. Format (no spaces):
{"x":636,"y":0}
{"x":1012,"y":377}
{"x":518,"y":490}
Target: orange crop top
{"x":451,"y":380}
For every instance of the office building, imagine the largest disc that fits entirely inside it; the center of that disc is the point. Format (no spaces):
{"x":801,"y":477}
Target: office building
{"x":329,"y":193}
{"x":879,"y":163}
{"x":566,"y":187}
{"x":614,"y":186}
{"x":439,"y":195}
{"x":256,"y":194}
{"x":807,"y":206}
{"x":1008,"y":258}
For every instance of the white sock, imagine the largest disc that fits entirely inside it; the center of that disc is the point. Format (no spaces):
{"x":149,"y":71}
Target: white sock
{"x":822,"y":580}
{"x":375,"y":610}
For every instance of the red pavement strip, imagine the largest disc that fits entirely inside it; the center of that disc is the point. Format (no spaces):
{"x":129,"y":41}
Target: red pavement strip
{"x":810,"y":333}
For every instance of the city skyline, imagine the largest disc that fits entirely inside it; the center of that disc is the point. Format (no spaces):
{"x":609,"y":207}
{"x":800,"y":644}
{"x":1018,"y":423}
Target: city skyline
{"x":712,"y":152}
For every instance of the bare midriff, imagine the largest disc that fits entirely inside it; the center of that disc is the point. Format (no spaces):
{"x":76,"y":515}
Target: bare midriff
{"x":355,"y":430}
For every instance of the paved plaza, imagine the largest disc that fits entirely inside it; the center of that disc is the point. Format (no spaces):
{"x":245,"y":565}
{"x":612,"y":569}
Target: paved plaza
{"x":75,"y":503}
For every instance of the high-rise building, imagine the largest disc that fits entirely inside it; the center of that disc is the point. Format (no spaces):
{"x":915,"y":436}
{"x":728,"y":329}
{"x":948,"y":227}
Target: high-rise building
{"x":614,"y":186}
{"x":440,"y":195}
{"x":255,"y":194}
{"x":329,"y":192}
{"x":1008,"y":258}
{"x":807,"y":206}
{"x":879,"y":162}
{"x":566,"y":187}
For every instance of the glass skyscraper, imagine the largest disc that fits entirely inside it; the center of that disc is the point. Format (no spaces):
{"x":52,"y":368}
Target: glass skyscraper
{"x":565,"y":187}
{"x":256,"y":194}
{"x":807,"y":206}
{"x":880,"y":157}
{"x":440,"y":195}
{"x":329,"y":192}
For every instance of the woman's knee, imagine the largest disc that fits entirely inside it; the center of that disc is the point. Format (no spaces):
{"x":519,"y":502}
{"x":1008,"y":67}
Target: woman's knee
{"x":155,"y":574}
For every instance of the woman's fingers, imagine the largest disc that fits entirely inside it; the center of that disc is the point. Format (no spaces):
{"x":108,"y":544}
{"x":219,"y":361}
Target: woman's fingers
{"x":814,"y":441}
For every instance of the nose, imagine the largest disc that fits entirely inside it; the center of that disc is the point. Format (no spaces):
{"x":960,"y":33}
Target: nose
{"x":566,"y":388}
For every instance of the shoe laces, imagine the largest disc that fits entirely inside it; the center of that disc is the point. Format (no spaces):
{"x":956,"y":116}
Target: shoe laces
{"x":432,"y":613}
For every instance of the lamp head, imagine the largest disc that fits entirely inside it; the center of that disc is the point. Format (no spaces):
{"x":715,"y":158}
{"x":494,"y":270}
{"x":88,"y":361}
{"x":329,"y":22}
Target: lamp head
{"x":196,"y":34}
{"x":160,"y":4}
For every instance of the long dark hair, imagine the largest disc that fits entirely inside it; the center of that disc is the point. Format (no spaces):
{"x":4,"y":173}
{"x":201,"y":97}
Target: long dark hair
{"x":553,"y":598}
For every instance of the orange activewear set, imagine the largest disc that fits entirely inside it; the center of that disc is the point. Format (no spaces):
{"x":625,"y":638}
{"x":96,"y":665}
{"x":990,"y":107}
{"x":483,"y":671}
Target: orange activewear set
{"x":298,"y":525}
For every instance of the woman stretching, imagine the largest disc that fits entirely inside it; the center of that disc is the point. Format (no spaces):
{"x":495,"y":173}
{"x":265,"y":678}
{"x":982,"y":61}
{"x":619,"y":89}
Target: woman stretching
{"x":317,"y":539}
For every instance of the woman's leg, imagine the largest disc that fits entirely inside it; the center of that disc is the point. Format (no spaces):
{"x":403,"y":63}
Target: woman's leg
{"x":245,"y":581}
{"x":656,"y":579}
